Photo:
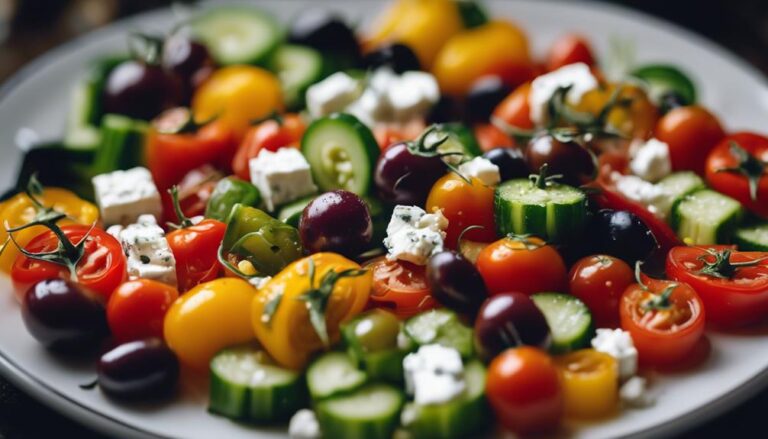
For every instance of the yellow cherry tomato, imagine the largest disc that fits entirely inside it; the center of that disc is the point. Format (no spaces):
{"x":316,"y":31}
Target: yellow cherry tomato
{"x":590,"y":383}
{"x":238,"y":95}
{"x":422,"y":25}
{"x":495,"y":48}
{"x":635,"y":119}
{"x":208,"y":318}
{"x":19,"y":210}
{"x":281,"y":311}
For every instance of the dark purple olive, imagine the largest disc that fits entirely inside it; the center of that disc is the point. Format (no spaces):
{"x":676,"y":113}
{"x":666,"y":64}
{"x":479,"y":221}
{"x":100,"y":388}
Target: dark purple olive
{"x":511,"y":162}
{"x":327,"y":32}
{"x":622,"y":234}
{"x":337,"y":221}
{"x":569,"y":159}
{"x":405,"y":178}
{"x":483,"y":97}
{"x":188,"y":60}
{"x":508,"y":320}
{"x":456,"y":283}
{"x":62,"y":317}
{"x":447,"y":109}
{"x":141,"y":369}
{"x":139,"y":90}
{"x":398,"y":57}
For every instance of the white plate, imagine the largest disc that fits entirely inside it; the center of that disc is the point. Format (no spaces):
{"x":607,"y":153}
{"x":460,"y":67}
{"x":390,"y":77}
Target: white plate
{"x":37,"y":99}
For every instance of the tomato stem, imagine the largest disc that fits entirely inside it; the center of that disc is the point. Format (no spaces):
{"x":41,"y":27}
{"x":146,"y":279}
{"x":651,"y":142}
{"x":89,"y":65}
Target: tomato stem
{"x":543,"y":178}
{"x":421,"y":148}
{"x":722,"y":267}
{"x":749,"y":166}
{"x":661,"y":301}
{"x":184,"y":221}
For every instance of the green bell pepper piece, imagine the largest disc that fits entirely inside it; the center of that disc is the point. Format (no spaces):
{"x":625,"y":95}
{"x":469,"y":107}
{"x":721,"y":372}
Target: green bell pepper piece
{"x":228,"y":192}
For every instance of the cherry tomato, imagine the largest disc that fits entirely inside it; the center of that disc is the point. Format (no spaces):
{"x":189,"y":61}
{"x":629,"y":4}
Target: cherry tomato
{"x":525,"y":265}
{"x":464,"y":205}
{"x":725,"y":170}
{"x":389,"y":134}
{"x":599,"y":282}
{"x":515,"y":110}
{"x":569,"y":49}
{"x":196,"y":188}
{"x":195,"y":249}
{"x":590,"y":383}
{"x":137,"y":308}
{"x":489,"y":136}
{"x":691,"y":133}
{"x":524,"y":388}
{"x":636,"y":120}
{"x":272,"y":134}
{"x":101,"y":268}
{"x":739,"y":295}
{"x":664,"y":318}
{"x":400,"y":286}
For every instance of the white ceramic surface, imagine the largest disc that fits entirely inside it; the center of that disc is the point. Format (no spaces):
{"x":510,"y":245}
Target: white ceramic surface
{"x":37,"y":99}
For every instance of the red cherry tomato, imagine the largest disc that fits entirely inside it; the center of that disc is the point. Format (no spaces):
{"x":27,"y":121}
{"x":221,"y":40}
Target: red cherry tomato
{"x":599,"y":282}
{"x":272,"y":134}
{"x":722,"y":174}
{"x":137,"y":308}
{"x":400,"y":287}
{"x":569,"y":49}
{"x":489,"y":136}
{"x":195,"y":249}
{"x":691,"y":133}
{"x":514,"y":110}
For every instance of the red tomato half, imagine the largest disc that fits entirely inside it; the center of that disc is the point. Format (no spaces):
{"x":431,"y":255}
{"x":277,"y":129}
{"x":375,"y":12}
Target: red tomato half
{"x":400,"y":287}
{"x":569,"y":49}
{"x":736,"y":184}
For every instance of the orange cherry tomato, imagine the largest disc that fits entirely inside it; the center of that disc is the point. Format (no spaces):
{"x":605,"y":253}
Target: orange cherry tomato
{"x":599,"y":282}
{"x":137,"y":308}
{"x":195,"y":249}
{"x":400,"y":287}
{"x":515,"y":109}
{"x":271,"y":134}
{"x":489,"y":136}
{"x":691,"y":133}
{"x":569,"y":49}
{"x":464,"y":205}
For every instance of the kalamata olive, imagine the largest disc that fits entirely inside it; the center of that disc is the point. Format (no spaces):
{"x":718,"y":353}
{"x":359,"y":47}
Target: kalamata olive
{"x":569,"y":159}
{"x":327,"y":32}
{"x":188,"y":60}
{"x":508,"y":320}
{"x":455,"y":282}
{"x":447,"y":109}
{"x":140,"y":90}
{"x":62,"y":317}
{"x":511,"y":162}
{"x":398,"y":57}
{"x":622,"y":234}
{"x":405,"y":178}
{"x":671,"y":100}
{"x":337,"y":221}
{"x":483,"y":96}
{"x":141,"y":369}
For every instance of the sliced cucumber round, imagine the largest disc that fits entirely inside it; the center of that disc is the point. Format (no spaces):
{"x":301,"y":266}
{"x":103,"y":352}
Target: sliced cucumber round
{"x":371,"y":412}
{"x":661,"y":79}
{"x":297,"y":67}
{"x":332,"y":374}
{"x":238,"y":34}
{"x":752,"y":238}
{"x":439,"y":326}
{"x":291,"y":212}
{"x":342,"y":153}
{"x":706,"y":217}
{"x":568,"y":319}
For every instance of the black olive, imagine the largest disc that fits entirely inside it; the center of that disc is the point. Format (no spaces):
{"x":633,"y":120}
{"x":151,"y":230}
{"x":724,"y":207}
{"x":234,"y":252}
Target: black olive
{"x":483,"y":97}
{"x":398,"y":57}
{"x":622,"y":234}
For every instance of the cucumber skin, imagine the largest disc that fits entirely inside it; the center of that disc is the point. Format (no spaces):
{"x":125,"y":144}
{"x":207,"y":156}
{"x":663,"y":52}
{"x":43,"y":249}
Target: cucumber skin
{"x":295,"y":99}
{"x":260,"y":59}
{"x":385,"y":366}
{"x":335,"y":427}
{"x":316,"y":396}
{"x":723,"y":233}
{"x":748,"y":244}
{"x":460,"y":336}
{"x":583,"y":341}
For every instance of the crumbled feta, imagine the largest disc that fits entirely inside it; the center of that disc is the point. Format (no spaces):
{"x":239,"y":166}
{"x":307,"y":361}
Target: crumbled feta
{"x":372,"y":107}
{"x":332,"y":94}
{"x":147,"y":251}
{"x":482,"y":169}
{"x":414,"y":235}
{"x":578,"y":76}
{"x":633,"y":393}
{"x":636,"y":189}
{"x":124,"y":195}
{"x":650,"y":160}
{"x":618,"y":344}
{"x":434,"y":374}
{"x":281,"y":176}
{"x":304,"y":425}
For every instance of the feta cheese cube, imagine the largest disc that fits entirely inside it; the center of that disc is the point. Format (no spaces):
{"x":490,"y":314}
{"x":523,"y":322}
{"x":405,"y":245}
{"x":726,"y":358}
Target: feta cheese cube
{"x":577,"y":75}
{"x":434,"y":374}
{"x":633,"y":393}
{"x":372,"y":107}
{"x":618,"y":344}
{"x":482,"y":169}
{"x":124,"y":195}
{"x":281,"y":176}
{"x":650,"y":160}
{"x":147,"y":251}
{"x":414,"y":235}
{"x":332,"y":94}
{"x":304,"y":425}
{"x":412,"y":95}
{"x":648,"y":194}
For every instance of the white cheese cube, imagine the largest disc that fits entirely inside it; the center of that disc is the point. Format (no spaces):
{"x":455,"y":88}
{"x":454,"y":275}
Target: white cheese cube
{"x":372,"y":107}
{"x":332,"y":94}
{"x":633,"y":393}
{"x":147,"y":251}
{"x":414,"y":235}
{"x":412,"y":95}
{"x":482,"y":169}
{"x":618,"y":344}
{"x":578,"y":76}
{"x":304,"y":425}
{"x":648,"y":194}
{"x":124,"y":195}
{"x":281,"y":176}
{"x":434,"y":374}
{"x":650,"y":160}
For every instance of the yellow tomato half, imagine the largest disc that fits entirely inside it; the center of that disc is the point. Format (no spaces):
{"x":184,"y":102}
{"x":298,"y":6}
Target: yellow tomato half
{"x":590,"y":383}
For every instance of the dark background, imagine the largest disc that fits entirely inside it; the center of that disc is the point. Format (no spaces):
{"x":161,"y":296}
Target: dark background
{"x":30,"y":27}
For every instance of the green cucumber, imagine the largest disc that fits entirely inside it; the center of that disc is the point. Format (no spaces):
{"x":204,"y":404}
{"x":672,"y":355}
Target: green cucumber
{"x":334,"y":373}
{"x":246,"y":384}
{"x":555,"y":213}
{"x":752,"y":237}
{"x":291,"y":212}
{"x":438,"y":326}
{"x":371,"y":341}
{"x":371,"y":412}
{"x":297,"y":67}
{"x":122,"y":144}
{"x":466,"y":416}
{"x":461,"y":139}
{"x":569,"y":321}
{"x":706,"y":217}
{"x":342,"y":153}
{"x":662,"y":79}
{"x":676,"y":186}
{"x":472,"y":13}
{"x":238,"y":34}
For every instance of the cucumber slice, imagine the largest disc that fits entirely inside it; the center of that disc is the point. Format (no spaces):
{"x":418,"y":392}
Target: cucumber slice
{"x":467,"y":416}
{"x":371,"y":412}
{"x":439,"y":326}
{"x":752,"y":238}
{"x":662,"y":79}
{"x":246,"y":384}
{"x":371,"y":340}
{"x":333,"y":374}
{"x":122,"y":144}
{"x":555,"y":213}
{"x":569,"y":321}
{"x":676,"y":186}
{"x":238,"y":34}
{"x":706,"y":217}
{"x":342,"y":153}
{"x":460,"y":139}
{"x":297,"y":67}
{"x":291,"y":212}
